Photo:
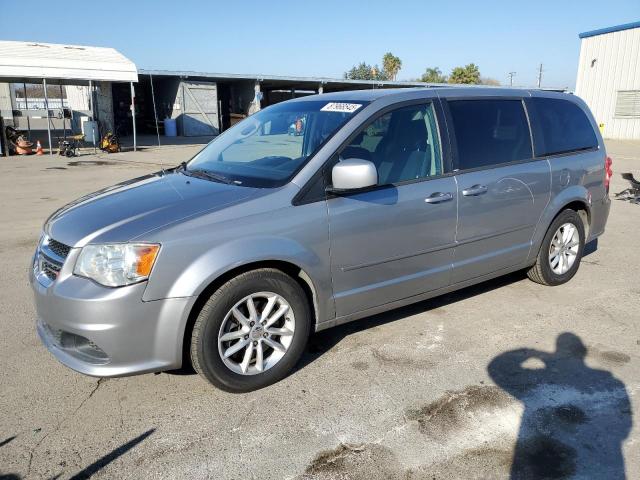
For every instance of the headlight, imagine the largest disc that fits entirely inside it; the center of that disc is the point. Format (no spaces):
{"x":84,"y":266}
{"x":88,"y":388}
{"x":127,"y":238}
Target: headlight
{"x":117,"y":264}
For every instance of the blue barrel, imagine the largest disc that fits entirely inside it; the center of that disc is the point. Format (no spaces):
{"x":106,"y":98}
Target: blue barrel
{"x":170,"y":127}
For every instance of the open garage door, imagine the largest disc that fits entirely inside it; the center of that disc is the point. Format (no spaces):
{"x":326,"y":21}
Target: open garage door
{"x":200,"y":115}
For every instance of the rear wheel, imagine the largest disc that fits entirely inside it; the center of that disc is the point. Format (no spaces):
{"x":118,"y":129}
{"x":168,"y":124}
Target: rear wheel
{"x":561,"y":250}
{"x":252,"y":331}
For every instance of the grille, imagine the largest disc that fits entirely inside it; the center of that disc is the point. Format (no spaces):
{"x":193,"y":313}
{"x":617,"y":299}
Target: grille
{"x":50,"y":269}
{"x":51,"y":255}
{"x":58,"y":248}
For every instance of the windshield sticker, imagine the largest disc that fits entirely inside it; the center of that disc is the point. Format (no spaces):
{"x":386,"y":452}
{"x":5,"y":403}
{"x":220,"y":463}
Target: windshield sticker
{"x":340,"y":107}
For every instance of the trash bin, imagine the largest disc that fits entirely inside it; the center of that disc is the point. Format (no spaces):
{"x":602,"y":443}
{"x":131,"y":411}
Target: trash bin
{"x":170,"y":127}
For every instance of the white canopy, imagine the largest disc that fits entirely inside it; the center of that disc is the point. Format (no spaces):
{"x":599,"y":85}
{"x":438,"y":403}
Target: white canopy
{"x":24,"y":60}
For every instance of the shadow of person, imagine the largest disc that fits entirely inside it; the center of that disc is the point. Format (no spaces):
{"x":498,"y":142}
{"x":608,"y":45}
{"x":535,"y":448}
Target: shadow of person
{"x":575,"y":417}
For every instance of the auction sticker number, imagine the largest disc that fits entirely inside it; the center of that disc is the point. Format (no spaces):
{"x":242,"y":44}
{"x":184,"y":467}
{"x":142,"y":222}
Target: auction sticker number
{"x":341,"y":107}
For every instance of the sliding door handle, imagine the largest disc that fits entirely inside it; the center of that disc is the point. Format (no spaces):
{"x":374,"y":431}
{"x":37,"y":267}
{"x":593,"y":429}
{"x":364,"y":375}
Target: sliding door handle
{"x":475,"y":190}
{"x":439,"y":197}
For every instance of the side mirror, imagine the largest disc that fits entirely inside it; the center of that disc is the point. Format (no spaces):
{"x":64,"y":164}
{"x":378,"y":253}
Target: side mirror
{"x":353,"y":174}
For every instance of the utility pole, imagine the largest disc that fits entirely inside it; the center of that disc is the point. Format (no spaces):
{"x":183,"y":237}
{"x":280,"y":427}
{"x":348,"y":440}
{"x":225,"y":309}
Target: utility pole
{"x":511,"y":74}
{"x":540,"y":76}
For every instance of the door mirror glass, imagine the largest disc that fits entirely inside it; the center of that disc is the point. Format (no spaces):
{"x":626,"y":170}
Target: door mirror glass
{"x":354,"y":174}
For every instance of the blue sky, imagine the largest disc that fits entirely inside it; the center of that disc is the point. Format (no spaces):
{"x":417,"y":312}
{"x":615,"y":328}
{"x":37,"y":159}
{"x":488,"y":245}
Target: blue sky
{"x":327,"y":38}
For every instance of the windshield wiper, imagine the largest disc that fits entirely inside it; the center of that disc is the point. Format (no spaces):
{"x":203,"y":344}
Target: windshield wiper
{"x":207,"y":175}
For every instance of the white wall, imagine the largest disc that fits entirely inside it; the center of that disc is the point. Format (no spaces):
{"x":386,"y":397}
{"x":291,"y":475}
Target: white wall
{"x":77,"y":97}
{"x":616,"y":67}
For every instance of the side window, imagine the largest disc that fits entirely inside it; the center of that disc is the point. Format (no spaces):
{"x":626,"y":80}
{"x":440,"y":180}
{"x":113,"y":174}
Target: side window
{"x":563,"y":126}
{"x":403,"y":144}
{"x":490,"y":132}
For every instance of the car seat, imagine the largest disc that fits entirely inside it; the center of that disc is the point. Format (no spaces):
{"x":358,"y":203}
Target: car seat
{"x":404,"y":154}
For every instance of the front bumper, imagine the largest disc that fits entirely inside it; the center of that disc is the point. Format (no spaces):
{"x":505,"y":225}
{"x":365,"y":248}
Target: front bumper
{"x":108,"y":332}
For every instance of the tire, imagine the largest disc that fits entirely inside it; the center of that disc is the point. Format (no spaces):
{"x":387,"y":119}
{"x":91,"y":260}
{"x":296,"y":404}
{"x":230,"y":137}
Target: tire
{"x":216,"y":319}
{"x":542,"y":271}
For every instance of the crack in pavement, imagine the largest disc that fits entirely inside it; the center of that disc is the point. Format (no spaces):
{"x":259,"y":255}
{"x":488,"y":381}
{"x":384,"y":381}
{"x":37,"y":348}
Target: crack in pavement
{"x":61,"y":422}
{"x":238,"y":429}
{"x":120,"y":409}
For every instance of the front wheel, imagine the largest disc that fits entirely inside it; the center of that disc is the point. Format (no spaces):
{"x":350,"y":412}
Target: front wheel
{"x":561,"y":250}
{"x":252,"y":331}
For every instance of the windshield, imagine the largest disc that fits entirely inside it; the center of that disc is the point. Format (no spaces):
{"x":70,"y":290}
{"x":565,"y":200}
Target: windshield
{"x":269,"y":147}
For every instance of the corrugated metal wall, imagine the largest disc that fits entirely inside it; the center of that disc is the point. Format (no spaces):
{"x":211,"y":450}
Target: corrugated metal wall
{"x":608,"y":63}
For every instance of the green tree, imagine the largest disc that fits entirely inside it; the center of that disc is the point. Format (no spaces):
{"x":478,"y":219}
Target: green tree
{"x":433,"y":75}
{"x":468,"y":74}
{"x":364,"y":71}
{"x":391,"y":65}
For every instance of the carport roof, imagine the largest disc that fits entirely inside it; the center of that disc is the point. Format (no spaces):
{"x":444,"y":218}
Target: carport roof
{"x":33,"y":61}
{"x":283,"y":80}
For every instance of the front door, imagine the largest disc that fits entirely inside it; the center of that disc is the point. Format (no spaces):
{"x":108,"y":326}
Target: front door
{"x":394,"y":241}
{"x":502,"y":190}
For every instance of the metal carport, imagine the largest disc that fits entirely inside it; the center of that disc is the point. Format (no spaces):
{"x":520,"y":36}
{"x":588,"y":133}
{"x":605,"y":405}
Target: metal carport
{"x":69,"y":64}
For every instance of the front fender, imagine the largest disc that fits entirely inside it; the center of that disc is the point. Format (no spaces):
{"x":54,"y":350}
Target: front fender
{"x":196,"y":276}
{"x":575,"y":193}
{"x":228,"y":256}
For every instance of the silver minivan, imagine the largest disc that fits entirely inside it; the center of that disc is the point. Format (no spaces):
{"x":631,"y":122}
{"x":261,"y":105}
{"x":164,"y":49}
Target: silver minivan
{"x":312,"y":213}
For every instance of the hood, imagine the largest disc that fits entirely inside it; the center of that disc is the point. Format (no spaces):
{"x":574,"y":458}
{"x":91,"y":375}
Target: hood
{"x":127,"y":210}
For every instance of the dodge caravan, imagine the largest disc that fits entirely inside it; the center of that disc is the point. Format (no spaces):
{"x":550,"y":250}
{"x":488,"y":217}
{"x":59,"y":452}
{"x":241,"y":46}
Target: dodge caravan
{"x":380,"y":199}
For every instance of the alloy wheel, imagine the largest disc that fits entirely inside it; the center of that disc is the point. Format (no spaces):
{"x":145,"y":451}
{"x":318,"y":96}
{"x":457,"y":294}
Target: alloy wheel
{"x":563,"y":249}
{"x":256,"y":333}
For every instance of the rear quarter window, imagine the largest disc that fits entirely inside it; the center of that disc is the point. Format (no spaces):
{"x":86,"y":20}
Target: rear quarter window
{"x":561,"y":126}
{"x":490,"y":132}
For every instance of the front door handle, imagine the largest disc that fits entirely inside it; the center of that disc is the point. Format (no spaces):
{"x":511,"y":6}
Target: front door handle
{"x":439,"y":197}
{"x":475,"y":190}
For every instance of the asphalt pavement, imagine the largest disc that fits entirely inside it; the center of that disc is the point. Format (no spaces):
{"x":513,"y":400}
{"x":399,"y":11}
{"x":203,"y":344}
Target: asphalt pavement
{"x":506,"y":376}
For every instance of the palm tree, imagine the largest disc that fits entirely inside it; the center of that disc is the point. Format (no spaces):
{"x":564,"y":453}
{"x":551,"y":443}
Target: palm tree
{"x":467,"y":74}
{"x":391,"y":65}
{"x":433,"y":75}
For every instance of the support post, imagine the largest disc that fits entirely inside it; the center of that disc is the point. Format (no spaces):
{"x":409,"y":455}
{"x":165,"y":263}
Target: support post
{"x":133,"y":117}
{"x":321,"y":89}
{"x":184,"y":107}
{"x":46,"y":107}
{"x":92,"y":105}
{"x":64,"y":122}
{"x":257,"y":97}
{"x":26,"y":107}
{"x":155,"y":113}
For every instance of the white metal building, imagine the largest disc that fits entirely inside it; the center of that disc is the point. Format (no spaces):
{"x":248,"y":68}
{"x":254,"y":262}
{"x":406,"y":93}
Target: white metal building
{"x":609,"y":79}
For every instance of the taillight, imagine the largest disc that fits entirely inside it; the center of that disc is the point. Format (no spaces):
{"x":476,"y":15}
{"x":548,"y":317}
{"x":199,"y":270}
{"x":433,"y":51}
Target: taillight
{"x":608,"y":172}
